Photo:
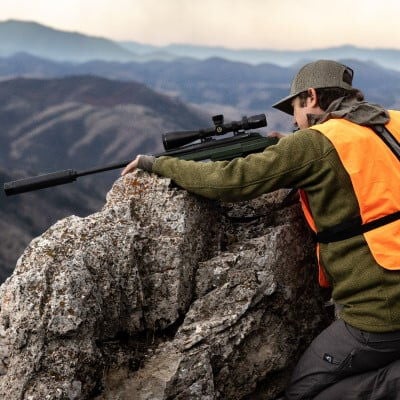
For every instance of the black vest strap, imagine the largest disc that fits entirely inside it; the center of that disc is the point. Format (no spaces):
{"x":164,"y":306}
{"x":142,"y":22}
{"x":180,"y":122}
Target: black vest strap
{"x":389,"y":139}
{"x":355,"y":227}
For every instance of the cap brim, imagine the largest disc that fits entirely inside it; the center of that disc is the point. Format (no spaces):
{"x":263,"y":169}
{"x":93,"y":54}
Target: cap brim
{"x":285,"y":104}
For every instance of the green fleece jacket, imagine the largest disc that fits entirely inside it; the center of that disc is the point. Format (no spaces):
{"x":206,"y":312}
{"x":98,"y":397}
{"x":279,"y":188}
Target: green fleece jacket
{"x":369,"y":294}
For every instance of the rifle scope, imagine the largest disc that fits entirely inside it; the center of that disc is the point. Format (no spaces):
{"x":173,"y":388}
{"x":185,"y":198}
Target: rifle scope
{"x":173,"y":140}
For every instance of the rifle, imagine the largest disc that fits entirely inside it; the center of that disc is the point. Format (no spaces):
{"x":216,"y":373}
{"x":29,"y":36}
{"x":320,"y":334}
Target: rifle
{"x":176,"y":144}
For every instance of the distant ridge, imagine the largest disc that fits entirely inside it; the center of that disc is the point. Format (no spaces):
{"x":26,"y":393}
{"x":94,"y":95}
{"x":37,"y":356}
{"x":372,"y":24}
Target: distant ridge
{"x":57,"y":45}
{"x":42,"y":41}
{"x":389,"y":58}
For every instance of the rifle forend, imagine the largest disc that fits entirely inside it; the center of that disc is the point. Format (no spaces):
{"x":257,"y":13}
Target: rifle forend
{"x":176,"y":144}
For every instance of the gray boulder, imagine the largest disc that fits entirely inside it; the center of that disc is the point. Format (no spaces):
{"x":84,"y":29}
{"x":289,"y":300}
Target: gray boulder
{"x":161,"y":295}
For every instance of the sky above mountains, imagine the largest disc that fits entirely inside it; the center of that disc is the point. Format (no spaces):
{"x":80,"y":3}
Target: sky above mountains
{"x":273,"y":24}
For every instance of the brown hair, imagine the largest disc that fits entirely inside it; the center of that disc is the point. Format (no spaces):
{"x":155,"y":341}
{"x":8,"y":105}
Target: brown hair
{"x":326,"y":96}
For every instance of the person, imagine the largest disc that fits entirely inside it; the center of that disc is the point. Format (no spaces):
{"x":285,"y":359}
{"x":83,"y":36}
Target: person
{"x":345,"y":161}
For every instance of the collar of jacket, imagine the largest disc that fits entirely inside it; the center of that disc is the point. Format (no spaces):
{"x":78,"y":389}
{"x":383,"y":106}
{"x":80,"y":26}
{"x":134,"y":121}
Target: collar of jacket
{"x":359,"y":112}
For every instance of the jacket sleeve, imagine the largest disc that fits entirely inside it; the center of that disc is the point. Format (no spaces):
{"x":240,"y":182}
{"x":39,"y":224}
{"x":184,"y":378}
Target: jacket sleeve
{"x":289,"y":164}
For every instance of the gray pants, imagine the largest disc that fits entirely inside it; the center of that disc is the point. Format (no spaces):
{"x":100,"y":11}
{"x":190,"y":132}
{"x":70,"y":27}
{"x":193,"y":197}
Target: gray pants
{"x":348,"y":364}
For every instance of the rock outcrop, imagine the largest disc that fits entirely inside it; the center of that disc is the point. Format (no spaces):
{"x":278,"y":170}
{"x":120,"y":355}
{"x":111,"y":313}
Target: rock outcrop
{"x":161,"y":295}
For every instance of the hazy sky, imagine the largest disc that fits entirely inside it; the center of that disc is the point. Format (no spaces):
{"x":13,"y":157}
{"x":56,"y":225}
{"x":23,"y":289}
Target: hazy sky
{"x":279,"y":24}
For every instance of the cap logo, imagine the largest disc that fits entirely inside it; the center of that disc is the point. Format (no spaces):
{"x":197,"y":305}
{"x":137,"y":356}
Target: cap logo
{"x":348,"y":75}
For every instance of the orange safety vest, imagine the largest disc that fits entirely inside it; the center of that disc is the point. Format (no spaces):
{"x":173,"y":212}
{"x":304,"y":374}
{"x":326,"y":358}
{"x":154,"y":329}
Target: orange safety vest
{"x":374,"y":171}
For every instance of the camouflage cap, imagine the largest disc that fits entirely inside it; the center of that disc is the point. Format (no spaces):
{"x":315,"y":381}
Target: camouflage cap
{"x":317,"y":74}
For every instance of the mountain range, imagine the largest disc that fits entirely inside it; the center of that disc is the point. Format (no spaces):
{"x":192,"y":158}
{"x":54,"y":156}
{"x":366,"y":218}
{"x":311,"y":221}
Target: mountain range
{"x":42,"y":41}
{"x":194,"y":74}
{"x":216,"y":85}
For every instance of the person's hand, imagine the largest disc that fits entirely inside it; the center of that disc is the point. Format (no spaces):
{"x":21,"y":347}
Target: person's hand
{"x":276,"y":134}
{"x":131,"y":166}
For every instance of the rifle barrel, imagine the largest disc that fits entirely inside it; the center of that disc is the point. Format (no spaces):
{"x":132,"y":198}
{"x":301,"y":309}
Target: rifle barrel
{"x":103,"y":169}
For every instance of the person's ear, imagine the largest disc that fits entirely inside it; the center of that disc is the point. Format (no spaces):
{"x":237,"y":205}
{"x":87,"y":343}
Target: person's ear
{"x":312,"y":97}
